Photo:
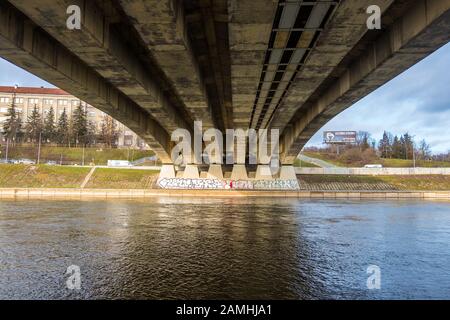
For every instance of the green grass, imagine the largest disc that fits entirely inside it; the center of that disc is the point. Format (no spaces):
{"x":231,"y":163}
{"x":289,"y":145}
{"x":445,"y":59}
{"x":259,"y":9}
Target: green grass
{"x":122,"y":179}
{"x":97,"y":156}
{"x":325,"y":157}
{"x":41,"y":176}
{"x":408,"y":182}
{"x":303,"y":164}
{"x":400,"y":163}
{"x":313,"y":178}
{"x":419,"y":183}
{"x":387,"y":163}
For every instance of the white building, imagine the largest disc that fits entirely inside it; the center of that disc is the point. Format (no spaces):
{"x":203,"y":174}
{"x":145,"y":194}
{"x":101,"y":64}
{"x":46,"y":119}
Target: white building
{"x":44,"y":98}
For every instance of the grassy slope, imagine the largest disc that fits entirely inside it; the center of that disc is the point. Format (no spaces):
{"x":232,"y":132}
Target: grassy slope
{"x":122,"y":179}
{"x":303,"y":164}
{"x":400,"y":163}
{"x":387,"y":163}
{"x":419,"y":183}
{"x":21,"y":176}
{"x":74,"y":155}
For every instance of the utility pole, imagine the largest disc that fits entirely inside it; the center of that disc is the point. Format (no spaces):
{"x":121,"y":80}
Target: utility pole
{"x":7,"y":149}
{"x":82,"y":163}
{"x":39,"y":148}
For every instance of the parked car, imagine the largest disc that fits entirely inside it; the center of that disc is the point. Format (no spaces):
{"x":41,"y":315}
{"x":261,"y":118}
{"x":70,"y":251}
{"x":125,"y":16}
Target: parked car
{"x":373,"y":166}
{"x":26,"y":161}
{"x":51,"y":163}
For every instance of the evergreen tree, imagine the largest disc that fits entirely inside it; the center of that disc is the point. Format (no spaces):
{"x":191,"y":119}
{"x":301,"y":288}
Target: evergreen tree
{"x":34,"y":125}
{"x":385,"y":146}
{"x":12,"y":126}
{"x":80,"y":125}
{"x":49,"y":132}
{"x":409,"y":147}
{"x":396,"y":148}
{"x":62,"y":129}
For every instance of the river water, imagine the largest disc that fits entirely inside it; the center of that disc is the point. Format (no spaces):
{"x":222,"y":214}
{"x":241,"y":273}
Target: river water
{"x":168,"y":248}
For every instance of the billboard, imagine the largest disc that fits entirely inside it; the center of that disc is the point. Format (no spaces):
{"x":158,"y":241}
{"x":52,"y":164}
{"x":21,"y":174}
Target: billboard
{"x":339,"y":137}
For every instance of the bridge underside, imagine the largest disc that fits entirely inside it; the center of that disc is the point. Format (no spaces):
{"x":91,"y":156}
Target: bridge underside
{"x":159,"y":65}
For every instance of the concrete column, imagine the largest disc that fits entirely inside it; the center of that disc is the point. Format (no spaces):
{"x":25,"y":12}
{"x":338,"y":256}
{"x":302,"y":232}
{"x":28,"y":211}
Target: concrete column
{"x":215,"y":172}
{"x":239,"y":172}
{"x":287,"y":173}
{"x":263,"y":172}
{"x":167,"y":171}
{"x":191,"y":172}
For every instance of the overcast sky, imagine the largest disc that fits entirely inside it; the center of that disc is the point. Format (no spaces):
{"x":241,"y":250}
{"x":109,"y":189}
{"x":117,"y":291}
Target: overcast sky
{"x":417,"y":101}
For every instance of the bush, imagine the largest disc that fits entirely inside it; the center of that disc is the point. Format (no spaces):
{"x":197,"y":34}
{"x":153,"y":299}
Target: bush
{"x":357,"y":158}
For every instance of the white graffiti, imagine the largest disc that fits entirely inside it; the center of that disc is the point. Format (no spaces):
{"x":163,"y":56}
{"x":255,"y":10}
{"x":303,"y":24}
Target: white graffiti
{"x":215,"y":184}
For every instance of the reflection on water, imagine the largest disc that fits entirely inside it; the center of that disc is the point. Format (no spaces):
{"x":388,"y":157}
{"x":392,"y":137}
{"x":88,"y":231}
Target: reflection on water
{"x":224,"y":248}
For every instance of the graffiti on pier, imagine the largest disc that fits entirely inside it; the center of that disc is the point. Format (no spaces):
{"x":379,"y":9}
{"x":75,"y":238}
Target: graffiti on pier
{"x":215,"y":184}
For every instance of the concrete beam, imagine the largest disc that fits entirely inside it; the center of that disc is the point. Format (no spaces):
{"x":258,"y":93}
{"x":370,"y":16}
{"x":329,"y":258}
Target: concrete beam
{"x":161,"y":24}
{"x":419,"y":32}
{"x":103,"y":50}
{"x":29,"y":47}
{"x":249,"y":34}
{"x":344,"y":31}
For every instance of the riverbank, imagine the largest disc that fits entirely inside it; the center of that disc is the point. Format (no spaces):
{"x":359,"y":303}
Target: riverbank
{"x":104,"y":194}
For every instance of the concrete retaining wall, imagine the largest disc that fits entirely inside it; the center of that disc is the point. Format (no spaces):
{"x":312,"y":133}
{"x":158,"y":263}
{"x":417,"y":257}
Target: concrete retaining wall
{"x":374,"y":171}
{"x":78,"y":194}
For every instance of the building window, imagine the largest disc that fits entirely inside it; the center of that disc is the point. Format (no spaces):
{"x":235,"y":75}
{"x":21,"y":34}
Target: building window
{"x":91,"y":114}
{"x":33,"y":101}
{"x":4,"y":100}
{"x":48,"y":102}
{"x":18,"y":100}
{"x":4,"y":110}
{"x":75,"y":103}
{"x":62,"y":102}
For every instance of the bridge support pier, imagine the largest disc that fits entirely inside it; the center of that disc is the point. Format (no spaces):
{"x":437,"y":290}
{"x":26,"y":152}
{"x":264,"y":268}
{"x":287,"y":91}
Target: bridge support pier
{"x":287,"y":173}
{"x":239,"y":172}
{"x":263,"y":172}
{"x":167,"y":172}
{"x":191,"y":172}
{"x":215,"y":172}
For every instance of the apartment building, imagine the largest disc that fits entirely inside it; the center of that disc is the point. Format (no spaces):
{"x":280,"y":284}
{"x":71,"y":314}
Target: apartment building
{"x":45,"y":98}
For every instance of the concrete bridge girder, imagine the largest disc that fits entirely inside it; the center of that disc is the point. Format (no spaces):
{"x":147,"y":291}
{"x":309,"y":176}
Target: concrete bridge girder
{"x":423,"y":28}
{"x":27,"y":46}
{"x":249,"y":33}
{"x":162,"y":26}
{"x":102,"y":49}
{"x":340,"y":36}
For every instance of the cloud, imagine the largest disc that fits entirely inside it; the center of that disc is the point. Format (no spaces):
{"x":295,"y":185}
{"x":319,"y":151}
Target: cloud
{"x":11,"y":75}
{"x":417,"y":101}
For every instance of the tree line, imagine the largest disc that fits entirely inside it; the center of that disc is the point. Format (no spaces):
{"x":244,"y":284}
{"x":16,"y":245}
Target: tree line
{"x":403,"y":147}
{"x":68,"y":130}
{"x":388,"y":147}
